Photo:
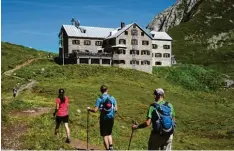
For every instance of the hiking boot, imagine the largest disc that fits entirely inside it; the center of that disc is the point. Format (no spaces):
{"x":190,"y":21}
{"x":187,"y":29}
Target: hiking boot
{"x":111,"y":147}
{"x":68,"y":141}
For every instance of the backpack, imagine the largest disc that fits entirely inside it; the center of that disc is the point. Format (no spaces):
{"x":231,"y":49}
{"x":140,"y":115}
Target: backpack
{"x":163,"y":123}
{"x":106,"y":105}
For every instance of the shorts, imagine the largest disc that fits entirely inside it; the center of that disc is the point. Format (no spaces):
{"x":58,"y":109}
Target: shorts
{"x":14,"y":95}
{"x":63,"y":119}
{"x":159,"y":142}
{"x":106,"y":126}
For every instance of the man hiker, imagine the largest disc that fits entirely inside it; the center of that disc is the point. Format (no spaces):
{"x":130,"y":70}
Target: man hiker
{"x":14,"y":92}
{"x":162,"y":116}
{"x":108,"y":107}
{"x":61,"y":113}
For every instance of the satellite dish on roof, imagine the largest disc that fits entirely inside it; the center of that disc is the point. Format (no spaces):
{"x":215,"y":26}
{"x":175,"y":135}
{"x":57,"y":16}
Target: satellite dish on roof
{"x":77,"y":23}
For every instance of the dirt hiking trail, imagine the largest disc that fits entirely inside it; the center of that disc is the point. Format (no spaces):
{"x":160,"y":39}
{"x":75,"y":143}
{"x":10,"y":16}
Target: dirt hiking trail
{"x":11,"y":134}
{"x":9,"y":72}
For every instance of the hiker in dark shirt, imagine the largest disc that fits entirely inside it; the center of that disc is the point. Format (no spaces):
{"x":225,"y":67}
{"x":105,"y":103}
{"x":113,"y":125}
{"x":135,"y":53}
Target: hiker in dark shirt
{"x":14,"y":92}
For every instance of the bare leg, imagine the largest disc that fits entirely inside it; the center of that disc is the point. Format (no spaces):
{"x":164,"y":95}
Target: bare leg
{"x":56,"y":129}
{"x":67,"y":130}
{"x":110,"y":139}
{"x":106,"y":142}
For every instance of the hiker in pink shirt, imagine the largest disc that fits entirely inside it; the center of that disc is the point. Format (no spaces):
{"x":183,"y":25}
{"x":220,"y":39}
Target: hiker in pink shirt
{"x":61,"y":112}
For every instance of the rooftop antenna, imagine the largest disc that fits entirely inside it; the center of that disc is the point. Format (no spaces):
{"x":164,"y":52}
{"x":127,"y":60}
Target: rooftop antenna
{"x":73,"y":21}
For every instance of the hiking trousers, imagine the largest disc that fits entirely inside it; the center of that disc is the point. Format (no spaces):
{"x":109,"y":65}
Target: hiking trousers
{"x":159,"y":142}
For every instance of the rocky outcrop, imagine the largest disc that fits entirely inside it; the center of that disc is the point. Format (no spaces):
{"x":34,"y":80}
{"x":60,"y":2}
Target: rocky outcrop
{"x":182,"y":11}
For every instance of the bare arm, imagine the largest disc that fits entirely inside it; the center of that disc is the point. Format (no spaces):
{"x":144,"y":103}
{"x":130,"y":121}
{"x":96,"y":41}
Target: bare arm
{"x":94,"y":110}
{"x":56,"y":108}
{"x":116,"y":108}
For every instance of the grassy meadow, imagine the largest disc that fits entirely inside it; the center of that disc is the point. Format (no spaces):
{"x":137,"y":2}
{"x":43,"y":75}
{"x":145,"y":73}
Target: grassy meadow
{"x":204,"y":114}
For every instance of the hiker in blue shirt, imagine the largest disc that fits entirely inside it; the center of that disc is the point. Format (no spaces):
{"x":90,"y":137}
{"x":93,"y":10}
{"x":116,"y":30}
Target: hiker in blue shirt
{"x":108,"y":107}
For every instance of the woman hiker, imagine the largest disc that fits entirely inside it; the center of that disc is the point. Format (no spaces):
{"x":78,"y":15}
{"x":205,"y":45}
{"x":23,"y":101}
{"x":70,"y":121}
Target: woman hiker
{"x":61,"y":113}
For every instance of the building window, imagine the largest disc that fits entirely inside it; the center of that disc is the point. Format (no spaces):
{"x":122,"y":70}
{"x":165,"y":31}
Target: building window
{"x":158,"y":63}
{"x":119,"y":61}
{"x":145,"y":52}
{"x":126,"y":32}
{"x":120,"y":51}
{"x":145,"y":62}
{"x":136,"y":52}
{"x":98,"y":43}
{"x":166,"y":46}
{"x":166,"y":55}
{"x":134,"y":25}
{"x":152,"y":54}
{"x":145,"y":42}
{"x":134,"y":42}
{"x":158,"y":55}
{"x":122,"y":61}
{"x":134,"y":32}
{"x":87,"y":42}
{"x":75,"y":42}
{"x":154,"y":46}
{"x":112,"y":42}
{"x":142,"y":33}
{"x":122,"y":41}
{"x":134,"y":62}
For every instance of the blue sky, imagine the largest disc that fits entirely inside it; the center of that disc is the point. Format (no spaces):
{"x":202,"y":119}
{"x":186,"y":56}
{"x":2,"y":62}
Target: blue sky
{"x":36,"y":23}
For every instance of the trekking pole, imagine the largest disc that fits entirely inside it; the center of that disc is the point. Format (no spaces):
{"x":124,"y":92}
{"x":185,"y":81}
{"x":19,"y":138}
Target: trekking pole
{"x":133,"y":122}
{"x":87,"y":130}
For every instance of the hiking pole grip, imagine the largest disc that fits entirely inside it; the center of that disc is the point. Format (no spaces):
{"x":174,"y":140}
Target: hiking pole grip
{"x":133,"y":122}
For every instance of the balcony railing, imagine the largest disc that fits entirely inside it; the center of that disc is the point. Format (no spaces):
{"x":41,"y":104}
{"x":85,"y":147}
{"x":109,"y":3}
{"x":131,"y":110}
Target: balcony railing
{"x":94,"y":54}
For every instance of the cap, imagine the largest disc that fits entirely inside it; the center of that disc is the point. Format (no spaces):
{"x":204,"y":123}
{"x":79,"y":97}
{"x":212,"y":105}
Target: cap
{"x":61,"y":91}
{"x":158,"y":91}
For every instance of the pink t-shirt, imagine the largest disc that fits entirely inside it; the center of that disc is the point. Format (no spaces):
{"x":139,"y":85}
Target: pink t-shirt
{"x":63,"y":107}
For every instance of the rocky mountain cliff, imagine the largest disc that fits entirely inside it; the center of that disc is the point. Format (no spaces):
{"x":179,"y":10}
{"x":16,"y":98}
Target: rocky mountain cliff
{"x":182,"y":11}
{"x":202,"y":32}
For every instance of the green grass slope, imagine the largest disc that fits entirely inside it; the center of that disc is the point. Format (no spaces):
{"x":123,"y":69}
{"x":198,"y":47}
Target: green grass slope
{"x":13,"y":55}
{"x":207,"y":38}
{"x":204,"y":119}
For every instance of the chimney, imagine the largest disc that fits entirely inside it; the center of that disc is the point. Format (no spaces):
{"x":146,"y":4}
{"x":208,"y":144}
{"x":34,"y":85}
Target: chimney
{"x":122,"y":25}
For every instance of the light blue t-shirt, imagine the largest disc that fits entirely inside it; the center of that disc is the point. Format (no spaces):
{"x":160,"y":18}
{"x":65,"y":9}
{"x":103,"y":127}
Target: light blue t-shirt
{"x":99,"y":103}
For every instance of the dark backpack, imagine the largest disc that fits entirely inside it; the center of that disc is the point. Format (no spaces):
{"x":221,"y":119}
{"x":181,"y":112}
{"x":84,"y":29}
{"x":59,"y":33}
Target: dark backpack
{"x":106,"y":105}
{"x":162,"y":121}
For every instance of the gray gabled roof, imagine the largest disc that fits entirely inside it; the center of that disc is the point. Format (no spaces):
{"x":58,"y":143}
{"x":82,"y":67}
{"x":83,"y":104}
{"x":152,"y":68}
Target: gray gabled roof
{"x":91,"y":32}
{"x":160,"y":35}
{"x":117,"y":32}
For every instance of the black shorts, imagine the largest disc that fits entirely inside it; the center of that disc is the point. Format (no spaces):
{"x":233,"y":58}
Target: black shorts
{"x":106,"y":126}
{"x":63,"y":119}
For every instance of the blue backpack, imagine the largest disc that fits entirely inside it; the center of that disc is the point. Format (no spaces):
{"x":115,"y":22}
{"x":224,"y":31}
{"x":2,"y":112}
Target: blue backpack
{"x":162,"y":119}
{"x":106,"y":105}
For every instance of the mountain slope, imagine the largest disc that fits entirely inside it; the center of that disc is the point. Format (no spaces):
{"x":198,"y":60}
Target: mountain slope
{"x":206,"y":36}
{"x":13,"y":55}
{"x":200,"y":115}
